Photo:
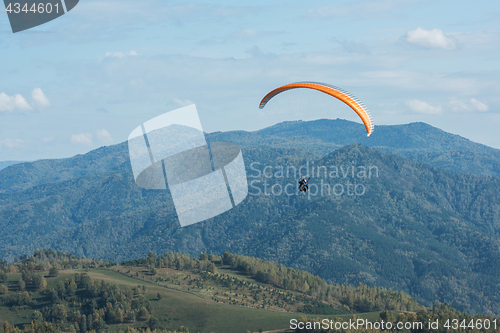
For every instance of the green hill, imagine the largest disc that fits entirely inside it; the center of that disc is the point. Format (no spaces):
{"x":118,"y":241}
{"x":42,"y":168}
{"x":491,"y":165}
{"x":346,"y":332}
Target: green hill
{"x":174,"y":291}
{"x":51,"y":291}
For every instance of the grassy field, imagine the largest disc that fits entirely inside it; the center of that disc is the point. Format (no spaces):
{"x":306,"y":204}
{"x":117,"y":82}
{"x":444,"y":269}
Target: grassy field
{"x":191,"y":308}
{"x":243,"y":290}
{"x":178,"y":308}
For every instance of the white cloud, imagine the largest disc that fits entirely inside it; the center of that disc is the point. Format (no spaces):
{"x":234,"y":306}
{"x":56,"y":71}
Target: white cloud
{"x":115,"y":54}
{"x":45,"y":140}
{"x":121,"y":54}
{"x":422,"y":107}
{"x":104,"y":136}
{"x":471,"y":105}
{"x":477,"y":105}
{"x":11,"y":103}
{"x":86,"y":138}
{"x":459,"y":85}
{"x":185,"y":102}
{"x":12,"y":143}
{"x":39,"y":98}
{"x":83,"y":138}
{"x":434,"y":38}
{"x":18,"y":102}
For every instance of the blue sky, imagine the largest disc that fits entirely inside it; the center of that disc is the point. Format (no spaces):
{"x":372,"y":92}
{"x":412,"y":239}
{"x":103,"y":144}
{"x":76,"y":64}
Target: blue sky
{"x":90,"y":77}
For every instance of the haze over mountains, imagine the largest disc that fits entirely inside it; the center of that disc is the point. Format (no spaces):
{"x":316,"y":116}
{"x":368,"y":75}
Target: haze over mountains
{"x":430,"y":229}
{"x":417,"y":141}
{"x":5,"y":164}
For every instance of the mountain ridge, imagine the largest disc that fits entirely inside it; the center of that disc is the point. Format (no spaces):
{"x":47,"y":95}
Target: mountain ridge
{"x":4,"y":164}
{"x":424,"y":230}
{"x":115,"y":157}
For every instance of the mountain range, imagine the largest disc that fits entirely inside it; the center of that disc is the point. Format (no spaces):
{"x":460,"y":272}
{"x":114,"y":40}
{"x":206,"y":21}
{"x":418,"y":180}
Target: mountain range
{"x":425,"y":221}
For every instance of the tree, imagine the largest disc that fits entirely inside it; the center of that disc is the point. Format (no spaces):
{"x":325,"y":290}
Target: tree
{"x":152,"y":256}
{"x":111,"y":315}
{"x":39,"y":282}
{"x":4,"y":290}
{"x":83,"y":325}
{"x":53,"y":271}
{"x":119,"y":316}
{"x":227,"y":258}
{"x":100,"y":325}
{"x":214,"y":257}
{"x":203,"y":256}
{"x":53,"y":295}
{"x":58,"y":312}
{"x":70,"y":287}
{"x":22,"y":285}
{"x":90,"y":321}
{"x":37,"y":316}
{"x":85,"y":282}
{"x":158,"y":296}
{"x":154,"y":323}
{"x":130,"y":317}
{"x":3,"y":277}
{"x":143,"y":314}
{"x":387,"y":316}
{"x":61,"y":289}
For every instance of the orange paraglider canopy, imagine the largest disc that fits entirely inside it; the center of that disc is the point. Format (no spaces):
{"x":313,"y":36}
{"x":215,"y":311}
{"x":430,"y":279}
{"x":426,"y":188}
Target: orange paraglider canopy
{"x":338,"y":93}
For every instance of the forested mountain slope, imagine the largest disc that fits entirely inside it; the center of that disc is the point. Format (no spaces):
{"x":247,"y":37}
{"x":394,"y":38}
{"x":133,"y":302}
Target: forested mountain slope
{"x":417,"y":141}
{"x":409,"y":226}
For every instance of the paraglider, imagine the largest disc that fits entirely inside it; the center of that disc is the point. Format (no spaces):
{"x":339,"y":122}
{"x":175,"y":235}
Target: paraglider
{"x":338,"y":93}
{"x":304,"y":184}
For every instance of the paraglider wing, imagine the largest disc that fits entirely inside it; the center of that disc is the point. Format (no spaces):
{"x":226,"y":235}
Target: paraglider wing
{"x":338,"y":93}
